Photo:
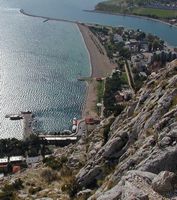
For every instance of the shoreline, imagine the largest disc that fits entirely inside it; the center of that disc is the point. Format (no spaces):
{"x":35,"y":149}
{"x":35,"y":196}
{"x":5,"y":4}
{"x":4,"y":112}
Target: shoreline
{"x":131,"y":15}
{"x":100,"y":67}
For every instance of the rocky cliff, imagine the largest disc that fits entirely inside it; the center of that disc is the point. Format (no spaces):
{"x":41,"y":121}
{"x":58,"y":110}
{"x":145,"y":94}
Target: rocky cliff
{"x":130,"y":157}
{"x":139,"y":159}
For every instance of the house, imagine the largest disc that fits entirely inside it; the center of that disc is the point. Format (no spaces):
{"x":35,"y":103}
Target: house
{"x":3,"y":165}
{"x":89,"y":120}
{"x":16,"y":159}
{"x":117,"y":38}
{"x":33,"y":160}
{"x":1,"y":176}
{"x":3,"y":161}
{"x":144,"y":46}
{"x":15,"y":169}
{"x":139,"y":62}
{"x":134,"y":42}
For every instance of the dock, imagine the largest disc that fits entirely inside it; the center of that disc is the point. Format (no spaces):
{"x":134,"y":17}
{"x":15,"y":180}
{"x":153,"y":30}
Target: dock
{"x":26,"y":118}
{"x":27,"y":124}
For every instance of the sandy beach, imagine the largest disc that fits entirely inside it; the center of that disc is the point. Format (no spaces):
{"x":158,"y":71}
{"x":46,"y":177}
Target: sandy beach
{"x":101,"y":67}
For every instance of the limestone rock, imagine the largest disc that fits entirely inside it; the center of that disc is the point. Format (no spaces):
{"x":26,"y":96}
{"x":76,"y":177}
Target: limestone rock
{"x":166,"y":141}
{"x":164,"y":182}
{"x":113,"y":194}
{"x":84,"y":193}
{"x":130,"y":192}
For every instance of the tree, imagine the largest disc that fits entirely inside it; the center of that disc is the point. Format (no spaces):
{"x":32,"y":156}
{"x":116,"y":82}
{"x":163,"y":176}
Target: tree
{"x":150,"y":46}
{"x":155,"y":45}
{"x":125,"y":53}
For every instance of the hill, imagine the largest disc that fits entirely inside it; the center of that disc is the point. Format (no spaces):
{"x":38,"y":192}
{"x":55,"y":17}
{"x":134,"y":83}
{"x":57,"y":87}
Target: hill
{"x":165,"y":10}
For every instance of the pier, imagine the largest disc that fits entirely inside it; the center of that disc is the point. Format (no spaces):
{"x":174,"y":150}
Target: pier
{"x":27,"y":124}
{"x":58,"y":140}
{"x":27,"y":119}
{"x":47,"y":18}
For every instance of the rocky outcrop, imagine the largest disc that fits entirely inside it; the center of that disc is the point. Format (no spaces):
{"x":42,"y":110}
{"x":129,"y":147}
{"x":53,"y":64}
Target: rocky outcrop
{"x":165,"y":182}
{"x":142,"y":138}
{"x":132,"y":156}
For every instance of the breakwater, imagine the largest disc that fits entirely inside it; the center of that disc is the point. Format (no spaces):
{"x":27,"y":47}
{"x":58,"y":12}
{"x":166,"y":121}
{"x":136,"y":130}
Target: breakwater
{"x":48,"y":18}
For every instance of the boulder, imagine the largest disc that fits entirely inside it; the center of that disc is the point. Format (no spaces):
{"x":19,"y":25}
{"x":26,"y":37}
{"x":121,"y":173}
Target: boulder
{"x":112,"y":194}
{"x":86,"y":178}
{"x":84,"y":194}
{"x":166,"y":141}
{"x":131,"y":192}
{"x":160,"y":160}
{"x":147,"y":176}
{"x":164,"y":182}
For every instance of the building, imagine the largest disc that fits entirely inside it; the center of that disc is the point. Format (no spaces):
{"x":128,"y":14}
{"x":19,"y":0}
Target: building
{"x":33,"y":160}
{"x":3,"y":165}
{"x":16,"y":159}
{"x":117,"y":38}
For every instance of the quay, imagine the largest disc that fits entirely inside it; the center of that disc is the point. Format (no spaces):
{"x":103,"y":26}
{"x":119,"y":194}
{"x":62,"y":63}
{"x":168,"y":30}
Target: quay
{"x":27,"y":119}
{"x":27,"y":124}
{"x":58,"y":140}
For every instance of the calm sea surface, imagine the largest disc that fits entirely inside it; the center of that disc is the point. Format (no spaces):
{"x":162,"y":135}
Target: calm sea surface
{"x":40,"y":62}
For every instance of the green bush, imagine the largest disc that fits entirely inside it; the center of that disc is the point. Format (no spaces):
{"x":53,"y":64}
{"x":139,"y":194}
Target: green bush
{"x":53,"y":163}
{"x":33,"y":190}
{"x":9,"y":190}
{"x":70,"y":187}
{"x":49,"y":175}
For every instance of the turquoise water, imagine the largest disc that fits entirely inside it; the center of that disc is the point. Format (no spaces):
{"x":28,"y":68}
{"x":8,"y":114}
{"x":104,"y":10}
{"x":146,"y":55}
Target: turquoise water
{"x":40,"y":62}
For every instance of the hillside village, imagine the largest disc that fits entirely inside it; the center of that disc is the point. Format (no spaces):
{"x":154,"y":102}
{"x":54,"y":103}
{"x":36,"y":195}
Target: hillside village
{"x":137,"y":56}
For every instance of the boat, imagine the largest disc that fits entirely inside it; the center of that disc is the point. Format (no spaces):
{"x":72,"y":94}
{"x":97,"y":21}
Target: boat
{"x":16,"y":117}
{"x":26,"y":112}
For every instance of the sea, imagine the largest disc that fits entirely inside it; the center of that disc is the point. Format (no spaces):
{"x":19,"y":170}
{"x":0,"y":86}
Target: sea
{"x":41,"y":61}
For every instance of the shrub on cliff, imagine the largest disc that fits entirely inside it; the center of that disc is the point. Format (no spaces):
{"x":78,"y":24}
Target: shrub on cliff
{"x":49,"y":175}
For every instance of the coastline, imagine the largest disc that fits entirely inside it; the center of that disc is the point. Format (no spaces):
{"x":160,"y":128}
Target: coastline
{"x":100,"y":67}
{"x":131,"y":15}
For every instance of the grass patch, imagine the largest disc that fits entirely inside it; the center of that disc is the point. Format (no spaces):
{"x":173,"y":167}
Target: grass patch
{"x":160,"y":13}
{"x":174,"y":102}
{"x":124,"y":78}
{"x":100,"y":91}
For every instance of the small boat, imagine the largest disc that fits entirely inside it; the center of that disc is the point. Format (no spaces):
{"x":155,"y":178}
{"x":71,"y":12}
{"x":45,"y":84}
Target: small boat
{"x":26,"y":112}
{"x":16,"y":117}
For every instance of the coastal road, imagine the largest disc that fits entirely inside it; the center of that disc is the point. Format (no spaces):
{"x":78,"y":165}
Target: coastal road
{"x":129,"y":75}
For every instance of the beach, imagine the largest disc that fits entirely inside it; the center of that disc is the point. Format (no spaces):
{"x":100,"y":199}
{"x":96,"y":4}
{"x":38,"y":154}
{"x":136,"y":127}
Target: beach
{"x":101,"y":67}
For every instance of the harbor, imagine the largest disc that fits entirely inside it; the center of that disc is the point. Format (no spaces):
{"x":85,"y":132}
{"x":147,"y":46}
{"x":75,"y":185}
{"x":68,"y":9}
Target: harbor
{"x":27,"y":118}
